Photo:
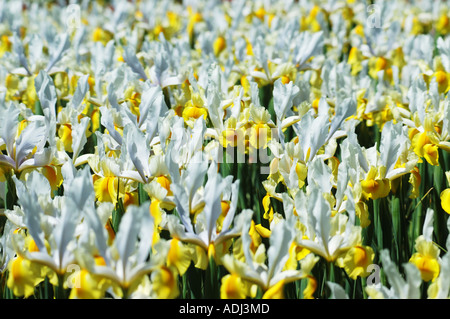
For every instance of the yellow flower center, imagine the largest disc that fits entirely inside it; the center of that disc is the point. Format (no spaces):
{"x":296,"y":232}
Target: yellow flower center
{"x":441,"y":77}
{"x":381,"y":63}
{"x":428,"y":266}
{"x":360,"y":256}
{"x":17,"y":271}
{"x":431,"y":154}
{"x":65,"y":134}
{"x":376,"y":188}
{"x":211,"y":251}
{"x":194,"y":112}
{"x":219,"y":45}
{"x":260,"y":13}
{"x":164,"y":283}
{"x":51,"y":173}
{"x":106,"y":189}
{"x":285,"y":79}
{"x":232,"y":287}
{"x":130,"y":199}
{"x":165,"y":183}
{"x":173,"y":254}
{"x":302,"y":171}
{"x":99,"y":261}
{"x":32,"y":247}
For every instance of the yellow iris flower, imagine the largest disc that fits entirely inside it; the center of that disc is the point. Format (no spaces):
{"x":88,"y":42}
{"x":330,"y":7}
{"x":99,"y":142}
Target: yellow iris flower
{"x":308,"y":292}
{"x":355,"y":58}
{"x":233,"y":287}
{"x":24,"y":276}
{"x":179,"y":256}
{"x":5,"y":44}
{"x":54,"y":175}
{"x":194,"y":109}
{"x":219,"y":45}
{"x":87,"y":286}
{"x":106,"y":189}
{"x":194,"y":18}
{"x":426,"y":259}
{"x":443,"y":23}
{"x":414,"y":180}
{"x":165,"y":283}
{"x":101,"y":35}
{"x":362,"y":211}
{"x":356,"y":261}
{"x":374,"y":186}
{"x":425,"y":148}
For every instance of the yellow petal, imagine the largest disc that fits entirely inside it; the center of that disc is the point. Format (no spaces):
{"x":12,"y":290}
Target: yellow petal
{"x":219,"y":45}
{"x":179,"y":256}
{"x":232,"y":287}
{"x":194,"y":112}
{"x":268,"y":210}
{"x":106,"y":189}
{"x":311,"y":287}
{"x":356,"y":261}
{"x":23,"y":277}
{"x":65,"y":134}
{"x":164,"y":283}
{"x":87,"y":286}
{"x":53,"y":175}
{"x":263,"y":231}
{"x":445,"y":200}
{"x":431,"y":154}
{"x":275,"y":292}
{"x":428,"y":266}
{"x":376,"y":188}
{"x":164,"y":182}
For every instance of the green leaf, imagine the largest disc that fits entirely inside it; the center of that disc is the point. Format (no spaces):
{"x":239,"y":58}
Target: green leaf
{"x":117,"y":215}
{"x":142,"y":194}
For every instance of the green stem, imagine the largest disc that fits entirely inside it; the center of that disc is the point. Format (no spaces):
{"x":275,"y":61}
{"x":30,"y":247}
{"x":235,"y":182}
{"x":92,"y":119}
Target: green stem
{"x":211,"y":285}
{"x":377,"y":224}
{"x":59,"y":290}
{"x":184,"y":289}
{"x":142,"y":194}
{"x":397,"y":225}
{"x":256,"y":196}
{"x":10,"y":192}
{"x":331,"y":274}
{"x":300,"y":287}
{"x":48,"y":291}
{"x":117,"y":215}
{"x":125,"y":293}
{"x":363,"y":287}
{"x":419,"y":208}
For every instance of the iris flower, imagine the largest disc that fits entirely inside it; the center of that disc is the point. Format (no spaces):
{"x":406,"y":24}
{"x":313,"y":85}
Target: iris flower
{"x":400,"y":287}
{"x":52,"y":231}
{"x":126,"y":261}
{"x":270,"y":277}
{"x":204,"y":232}
{"x":24,"y":148}
{"x":324,"y":237}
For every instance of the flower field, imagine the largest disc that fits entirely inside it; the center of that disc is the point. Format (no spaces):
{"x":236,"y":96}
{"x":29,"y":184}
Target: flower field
{"x":224,"y":149}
